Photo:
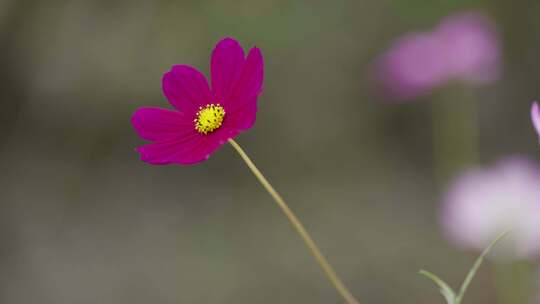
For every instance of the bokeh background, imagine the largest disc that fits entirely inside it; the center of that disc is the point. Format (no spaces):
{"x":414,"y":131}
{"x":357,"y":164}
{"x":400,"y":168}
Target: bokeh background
{"x":82,"y":220}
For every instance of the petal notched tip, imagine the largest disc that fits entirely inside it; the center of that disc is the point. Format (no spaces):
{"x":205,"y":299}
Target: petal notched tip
{"x":249,"y":85}
{"x":226,"y":66}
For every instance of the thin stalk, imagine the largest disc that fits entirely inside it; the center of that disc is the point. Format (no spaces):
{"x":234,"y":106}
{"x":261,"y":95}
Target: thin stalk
{"x":299,"y":227}
{"x":475,"y":268}
{"x":513,"y":280}
{"x":455,"y":132}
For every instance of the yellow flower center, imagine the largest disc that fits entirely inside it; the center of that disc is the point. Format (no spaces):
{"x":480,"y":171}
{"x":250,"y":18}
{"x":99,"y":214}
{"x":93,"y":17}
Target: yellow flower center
{"x":209,"y":118}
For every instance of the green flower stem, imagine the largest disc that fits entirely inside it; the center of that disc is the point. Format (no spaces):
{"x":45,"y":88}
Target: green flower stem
{"x":299,"y":227}
{"x":447,"y":292}
{"x":513,"y":280}
{"x":475,"y":267}
{"x":455,"y":135}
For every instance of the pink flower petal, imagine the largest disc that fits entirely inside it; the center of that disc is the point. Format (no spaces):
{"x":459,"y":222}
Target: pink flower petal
{"x":152,"y":123}
{"x":535,"y":116}
{"x":221,"y":135}
{"x":186,"y":88}
{"x":226,"y":66}
{"x":249,"y":86}
{"x":243,"y":117}
{"x":188,"y":150}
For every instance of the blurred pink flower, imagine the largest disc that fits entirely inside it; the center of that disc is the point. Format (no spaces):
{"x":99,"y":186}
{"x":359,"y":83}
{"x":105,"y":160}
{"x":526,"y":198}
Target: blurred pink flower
{"x":535,"y":116}
{"x":463,"y":47}
{"x":412,"y":66}
{"x":482,"y":203}
{"x":204,"y":118}
{"x":472,"y":47}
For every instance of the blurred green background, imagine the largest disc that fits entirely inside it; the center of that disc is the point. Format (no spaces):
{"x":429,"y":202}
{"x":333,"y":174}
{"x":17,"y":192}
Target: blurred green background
{"x":82,"y":220}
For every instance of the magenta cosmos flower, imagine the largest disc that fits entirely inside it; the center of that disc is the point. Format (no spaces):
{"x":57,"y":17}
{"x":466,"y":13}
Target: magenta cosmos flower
{"x":463,"y":47}
{"x":535,"y":116}
{"x":204,"y":117}
{"x":482,"y":203}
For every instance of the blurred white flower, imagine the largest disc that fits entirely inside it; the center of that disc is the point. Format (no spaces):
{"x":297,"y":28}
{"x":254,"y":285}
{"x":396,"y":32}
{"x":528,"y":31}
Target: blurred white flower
{"x":485,"y":202}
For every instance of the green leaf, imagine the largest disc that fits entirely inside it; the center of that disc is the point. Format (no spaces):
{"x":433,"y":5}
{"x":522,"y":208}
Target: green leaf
{"x":447,"y":292}
{"x":475,"y":267}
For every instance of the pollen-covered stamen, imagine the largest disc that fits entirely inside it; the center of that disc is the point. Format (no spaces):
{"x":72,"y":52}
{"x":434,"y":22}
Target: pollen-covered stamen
{"x":209,"y":118}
